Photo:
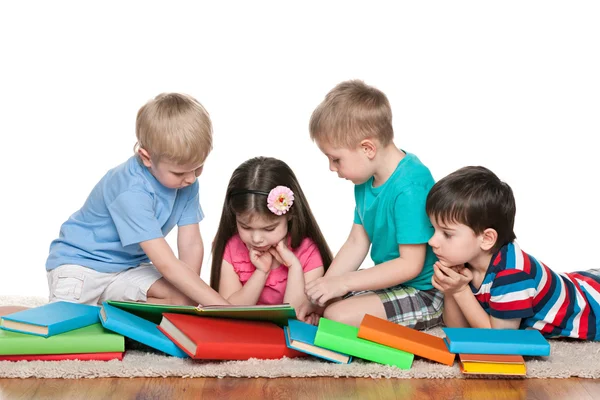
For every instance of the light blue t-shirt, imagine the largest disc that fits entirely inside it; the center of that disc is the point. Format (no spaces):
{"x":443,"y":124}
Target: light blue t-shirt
{"x":126,"y":207}
{"x":394,"y":213}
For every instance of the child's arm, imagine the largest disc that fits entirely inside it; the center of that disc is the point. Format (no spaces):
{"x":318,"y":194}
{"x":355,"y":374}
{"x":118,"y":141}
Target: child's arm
{"x":453,"y":316}
{"x":296,"y":279}
{"x":248,"y":294}
{"x":352,"y":253}
{"x":232,"y":289}
{"x":190,"y":246}
{"x":179,"y":274}
{"x":463,"y":305}
{"x":387,"y":274}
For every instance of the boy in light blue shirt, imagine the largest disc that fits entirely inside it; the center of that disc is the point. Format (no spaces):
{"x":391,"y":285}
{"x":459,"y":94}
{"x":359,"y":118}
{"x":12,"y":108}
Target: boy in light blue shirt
{"x":114,"y":247}
{"x":353,"y":128}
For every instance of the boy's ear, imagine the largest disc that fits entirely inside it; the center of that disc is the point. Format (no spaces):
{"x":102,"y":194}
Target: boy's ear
{"x":488,"y":239}
{"x":369,"y":147}
{"x":145,"y":157}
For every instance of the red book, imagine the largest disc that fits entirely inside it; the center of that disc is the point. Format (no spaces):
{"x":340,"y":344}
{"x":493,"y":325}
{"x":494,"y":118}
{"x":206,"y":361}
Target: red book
{"x":61,"y":357}
{"x":226,"y":339}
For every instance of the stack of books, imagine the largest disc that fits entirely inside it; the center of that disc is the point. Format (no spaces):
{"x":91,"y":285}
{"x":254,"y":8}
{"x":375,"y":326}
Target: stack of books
{"x":495,"y":351}
{"x":58,"y":331}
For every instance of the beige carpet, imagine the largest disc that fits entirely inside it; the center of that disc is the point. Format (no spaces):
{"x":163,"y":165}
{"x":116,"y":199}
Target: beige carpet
{"x":568,"y":359}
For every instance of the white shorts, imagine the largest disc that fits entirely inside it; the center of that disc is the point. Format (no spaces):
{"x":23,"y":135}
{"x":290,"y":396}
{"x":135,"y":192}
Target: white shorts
{"x":78,"y":284}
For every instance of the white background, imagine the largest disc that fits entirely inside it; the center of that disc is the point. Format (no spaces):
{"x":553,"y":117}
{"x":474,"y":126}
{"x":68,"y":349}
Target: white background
{"x":513,"y":85}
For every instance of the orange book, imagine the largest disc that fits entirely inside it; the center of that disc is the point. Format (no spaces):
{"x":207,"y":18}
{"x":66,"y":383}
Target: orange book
{"x":403,"y":338}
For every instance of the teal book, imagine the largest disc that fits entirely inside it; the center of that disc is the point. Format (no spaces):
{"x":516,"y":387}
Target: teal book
{"x":344,"y":339}
{"x":51,"y":319}
{"x":277,"y":313}
{"x":138,"y":329}
{"x":523,"y":342}
{"x":90,"y":339}
{"x":301,"y":336}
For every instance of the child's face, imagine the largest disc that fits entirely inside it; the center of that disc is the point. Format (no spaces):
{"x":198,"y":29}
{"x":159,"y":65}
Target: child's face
{"x":454,"y":244}
{"x":175,"y":176}
{"x":261,"y":233}
{"x":350,"y":164}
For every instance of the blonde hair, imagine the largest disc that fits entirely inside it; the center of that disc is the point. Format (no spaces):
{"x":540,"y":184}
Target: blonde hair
{"x":174,"y":127}
{"x":352,"y":111}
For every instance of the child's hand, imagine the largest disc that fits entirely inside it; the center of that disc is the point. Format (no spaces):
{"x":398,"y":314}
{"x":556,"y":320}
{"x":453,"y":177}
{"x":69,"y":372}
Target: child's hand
{"x":450,"y":280}
{"x":261,"y":260}
{"x":324,"y":289}
{"x":312,"y":319}
{"x":283,"y":254}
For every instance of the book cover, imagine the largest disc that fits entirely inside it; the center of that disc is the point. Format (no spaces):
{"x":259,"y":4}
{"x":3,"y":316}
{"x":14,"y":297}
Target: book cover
{"x":301,"y":336}
{"x":525,"y":342}
{"x":62,"y":357}
{"x":492,"y":364}
{"x":139,"y":329}
{"x":344,"y":338}
{"x":226,"y":339}
{"x":90,"y":339}
{"x":51,"y":319}
{"x":277,"y":313}
{"x":403,"y":338}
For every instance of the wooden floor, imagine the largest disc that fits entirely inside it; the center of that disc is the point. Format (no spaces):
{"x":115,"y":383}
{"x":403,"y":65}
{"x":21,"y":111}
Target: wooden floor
{"x":298,"y":388}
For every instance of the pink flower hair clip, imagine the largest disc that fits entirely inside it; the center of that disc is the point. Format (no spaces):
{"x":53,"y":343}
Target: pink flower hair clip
{"x":280,"y":200}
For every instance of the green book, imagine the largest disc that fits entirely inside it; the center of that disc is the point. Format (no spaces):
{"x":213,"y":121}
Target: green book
{"x":90,"y":339}
{"x":344,"y":338}
{"x":277,"y":313}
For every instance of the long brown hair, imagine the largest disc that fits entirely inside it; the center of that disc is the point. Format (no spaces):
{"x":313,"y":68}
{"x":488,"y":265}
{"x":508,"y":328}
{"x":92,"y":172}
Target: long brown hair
{"x":261,"y":174}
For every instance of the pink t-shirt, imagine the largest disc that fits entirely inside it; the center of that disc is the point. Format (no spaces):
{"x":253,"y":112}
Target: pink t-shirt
{"x":236,"y":253}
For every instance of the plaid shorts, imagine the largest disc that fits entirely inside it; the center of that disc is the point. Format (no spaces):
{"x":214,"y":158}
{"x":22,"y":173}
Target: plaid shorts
{"x":404,"y":305}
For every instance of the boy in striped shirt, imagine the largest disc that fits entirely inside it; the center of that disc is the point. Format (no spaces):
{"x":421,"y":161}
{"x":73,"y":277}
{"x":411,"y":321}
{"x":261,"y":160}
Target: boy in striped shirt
{"x":487,"y":280}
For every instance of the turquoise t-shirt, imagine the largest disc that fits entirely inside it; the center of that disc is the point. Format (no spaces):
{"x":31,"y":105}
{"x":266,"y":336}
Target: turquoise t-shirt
{"x":394,"y":213}
{"x":128,"y":206}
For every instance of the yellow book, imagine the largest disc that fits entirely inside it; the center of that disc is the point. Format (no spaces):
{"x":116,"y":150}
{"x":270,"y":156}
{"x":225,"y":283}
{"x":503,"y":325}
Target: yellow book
{"x":492,"y":368}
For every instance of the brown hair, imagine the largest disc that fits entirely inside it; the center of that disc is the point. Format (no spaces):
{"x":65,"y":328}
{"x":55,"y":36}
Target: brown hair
{"x":261,"y":174}
{"x":477,"y":198}
{"x":352,"y":111}
{"x":175,"y":127}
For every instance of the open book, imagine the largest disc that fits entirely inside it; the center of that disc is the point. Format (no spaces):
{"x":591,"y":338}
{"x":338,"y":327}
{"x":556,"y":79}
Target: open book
{"x":277,"y":313}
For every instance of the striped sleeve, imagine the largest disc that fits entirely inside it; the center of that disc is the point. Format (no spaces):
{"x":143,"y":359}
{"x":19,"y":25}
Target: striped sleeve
{"x":512,"y":294}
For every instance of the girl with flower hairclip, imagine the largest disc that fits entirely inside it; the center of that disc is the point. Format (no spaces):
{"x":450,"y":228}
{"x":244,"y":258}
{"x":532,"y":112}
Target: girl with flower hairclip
{"x":268,"y":244}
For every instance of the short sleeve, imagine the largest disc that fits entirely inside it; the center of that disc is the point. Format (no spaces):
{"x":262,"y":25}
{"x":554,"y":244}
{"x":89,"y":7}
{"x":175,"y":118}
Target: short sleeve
{"x":412,"y":224}
{"x":309,"y":256}
{"x":511,"y":295}
{"x":192,"y":211}
{"x":134,"y":217}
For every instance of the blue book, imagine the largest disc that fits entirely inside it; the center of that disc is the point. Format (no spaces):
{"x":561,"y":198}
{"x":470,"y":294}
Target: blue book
{"x":138,"y":329}
{"x":301,"y":336}
{"x":51,"y":319}
{"x":524,"y":342}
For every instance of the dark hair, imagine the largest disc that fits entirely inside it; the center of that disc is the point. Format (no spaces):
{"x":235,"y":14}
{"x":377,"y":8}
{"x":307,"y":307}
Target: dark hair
{"x":261,"y":174}
{"x":477,"y":198}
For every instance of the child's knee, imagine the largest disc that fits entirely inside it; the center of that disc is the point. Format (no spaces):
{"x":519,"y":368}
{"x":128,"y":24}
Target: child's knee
{"x":340,"y":312}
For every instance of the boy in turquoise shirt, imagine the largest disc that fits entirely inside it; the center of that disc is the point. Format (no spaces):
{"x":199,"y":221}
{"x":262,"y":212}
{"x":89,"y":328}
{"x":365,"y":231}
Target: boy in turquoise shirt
{"x":353,"y":128}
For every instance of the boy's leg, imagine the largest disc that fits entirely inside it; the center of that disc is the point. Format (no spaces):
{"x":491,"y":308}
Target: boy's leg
{"x":352,"y":310}
{"x":6,"y":310}
{"x":77,"y":284}
{"x":144,"y":283}
{"x":418,"y":309}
